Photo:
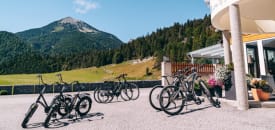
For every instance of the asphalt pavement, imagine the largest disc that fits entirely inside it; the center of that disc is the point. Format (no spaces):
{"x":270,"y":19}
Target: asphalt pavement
{"x":138,"y":115}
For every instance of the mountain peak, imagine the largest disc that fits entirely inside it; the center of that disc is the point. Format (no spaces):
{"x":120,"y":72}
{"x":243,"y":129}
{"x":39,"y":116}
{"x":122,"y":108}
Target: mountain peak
{"x":78,"y":24}
{"x":69,"y":20}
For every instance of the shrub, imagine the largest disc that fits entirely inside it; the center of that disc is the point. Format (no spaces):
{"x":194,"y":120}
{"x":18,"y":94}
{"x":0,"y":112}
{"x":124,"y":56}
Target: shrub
{"x":148,"y":73}
{"x":3,"y":92}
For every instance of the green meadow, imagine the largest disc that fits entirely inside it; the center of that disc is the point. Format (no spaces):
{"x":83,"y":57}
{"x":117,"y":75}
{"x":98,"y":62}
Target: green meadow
{"x":135,"y":71}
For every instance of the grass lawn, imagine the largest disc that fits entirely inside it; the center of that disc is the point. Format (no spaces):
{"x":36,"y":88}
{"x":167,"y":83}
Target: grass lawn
{"x":135,"y":71}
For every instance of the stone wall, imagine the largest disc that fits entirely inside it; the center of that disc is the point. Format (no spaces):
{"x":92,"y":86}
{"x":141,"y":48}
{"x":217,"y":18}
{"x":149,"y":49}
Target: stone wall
{"x":32,"y":89}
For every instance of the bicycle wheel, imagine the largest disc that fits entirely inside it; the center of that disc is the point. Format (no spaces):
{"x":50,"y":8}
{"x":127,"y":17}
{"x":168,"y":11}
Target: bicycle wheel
{"x":29,"y":114}
{"x":171,"y":100}
{"x":103,"y":95}
{"x":125,"y":93}
{"x":96,"y":92}
{"x":84,"y":105}
{"x":64,"y":106}
{"x":134,"y":89}
{"x":49,"y":116}
{"x":207,"y":93}
{"x":154,"y":97}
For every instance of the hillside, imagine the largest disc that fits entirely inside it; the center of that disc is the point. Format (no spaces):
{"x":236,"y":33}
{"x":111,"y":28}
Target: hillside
{"x":60,"y":45}
{"x":68,"y":44}
{"x":174,"y":42}
{"x":68,"y":36}
{"x":17,"y":57}
{"x":11,"y":46}
{"x":135,"y":71}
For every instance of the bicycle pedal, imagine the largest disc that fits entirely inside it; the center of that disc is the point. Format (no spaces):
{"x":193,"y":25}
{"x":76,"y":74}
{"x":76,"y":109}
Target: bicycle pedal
{"x":218,"y":102}
{"x":54,"y":115}
{"x":70,"y":116}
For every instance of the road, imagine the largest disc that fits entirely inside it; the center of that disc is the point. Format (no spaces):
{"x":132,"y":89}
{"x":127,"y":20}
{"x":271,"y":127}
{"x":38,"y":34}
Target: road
{"x":138,"y":115}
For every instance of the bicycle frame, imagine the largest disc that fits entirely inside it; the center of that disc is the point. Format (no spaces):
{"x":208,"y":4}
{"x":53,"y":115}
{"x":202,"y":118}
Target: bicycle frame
{"x":43,"y":102}
{"x":41,"y":96}
{"x":117,"y":88}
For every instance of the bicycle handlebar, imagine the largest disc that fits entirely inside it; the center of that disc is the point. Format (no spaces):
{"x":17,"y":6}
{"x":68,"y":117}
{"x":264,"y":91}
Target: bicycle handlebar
{"x":121,"y":76}
{"x":39,"y":76}
{"x":60,"y":78}
{"x":194,"y":69}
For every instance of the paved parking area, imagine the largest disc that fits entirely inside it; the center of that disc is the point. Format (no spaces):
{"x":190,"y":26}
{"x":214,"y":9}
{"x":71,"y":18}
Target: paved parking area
{"x":138,"y":115}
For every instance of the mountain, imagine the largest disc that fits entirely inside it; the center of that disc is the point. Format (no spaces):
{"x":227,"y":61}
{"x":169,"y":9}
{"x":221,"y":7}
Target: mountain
{"x":11,"y":46}
{"x":17,"y":57}
{"x":71,"y":44}
{"x":68,"y":36}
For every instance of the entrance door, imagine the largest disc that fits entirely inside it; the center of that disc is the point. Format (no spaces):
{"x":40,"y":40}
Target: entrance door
{"x":270,"y":60}
{"x":253,"y":60}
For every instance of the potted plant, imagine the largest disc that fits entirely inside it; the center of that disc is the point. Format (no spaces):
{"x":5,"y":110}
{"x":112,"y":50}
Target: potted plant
{"x":223,"y":75}
{"x":215,"y":86}
{"x":260,"y":89}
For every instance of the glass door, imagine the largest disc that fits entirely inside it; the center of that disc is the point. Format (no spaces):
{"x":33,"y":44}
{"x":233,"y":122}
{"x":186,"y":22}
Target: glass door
{"x":270,"y":60}
{"x":253,"y":61}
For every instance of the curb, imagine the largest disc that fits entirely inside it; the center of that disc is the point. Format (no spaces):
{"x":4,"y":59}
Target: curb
{"x":252,"y":103}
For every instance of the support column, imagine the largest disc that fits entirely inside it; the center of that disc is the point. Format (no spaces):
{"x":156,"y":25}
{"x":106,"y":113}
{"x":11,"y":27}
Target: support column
{"x":226,"y":47}
{"x":261,"y":57}
{"x":238,"y":57}
{"x":166,"y":69}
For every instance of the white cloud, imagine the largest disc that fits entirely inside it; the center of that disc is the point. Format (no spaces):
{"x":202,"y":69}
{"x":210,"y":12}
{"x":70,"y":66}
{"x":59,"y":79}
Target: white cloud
{"x":84,"y":6}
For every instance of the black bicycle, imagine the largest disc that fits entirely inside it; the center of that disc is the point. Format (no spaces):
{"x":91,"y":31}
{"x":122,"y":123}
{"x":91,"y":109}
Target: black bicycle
{"x":174,"y":97}
{"x":154,"y":94}
{"x":80,"y":102}
{"x":127,"y":91}
{"x":41,"y":100}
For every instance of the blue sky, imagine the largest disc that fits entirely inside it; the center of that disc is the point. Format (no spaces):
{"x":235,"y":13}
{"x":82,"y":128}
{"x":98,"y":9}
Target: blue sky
{"x":127,"y":19}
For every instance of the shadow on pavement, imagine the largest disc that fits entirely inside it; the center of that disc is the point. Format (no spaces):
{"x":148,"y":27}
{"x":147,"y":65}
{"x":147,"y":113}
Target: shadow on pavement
{"x":65,"y":121}
{"x":191,"y":110}
{"x":55,"y":124}
{"x":88,"y":117}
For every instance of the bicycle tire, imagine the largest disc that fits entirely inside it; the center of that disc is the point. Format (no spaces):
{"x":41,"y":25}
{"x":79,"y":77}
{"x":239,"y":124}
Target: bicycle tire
{"x":155,"y":105}
{"x":96,"y":92}
{"x":29,"y":114}
{"x":125,"y":93}
{"x":169,"y":90}
{"x":103,"y":95}
{"x":79,"y":103}
{"x":134,"y":89}
{"x":207,"y":93}
{"x":49,"y":116}
{"x":111,"y":97}
{"x":63,"y":108}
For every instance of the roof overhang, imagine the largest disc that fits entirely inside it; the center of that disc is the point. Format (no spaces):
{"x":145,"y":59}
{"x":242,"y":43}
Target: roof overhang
{"x":257,"y":16}
{"x":214,"y":51}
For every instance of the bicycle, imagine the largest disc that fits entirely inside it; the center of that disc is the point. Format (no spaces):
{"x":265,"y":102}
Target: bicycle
{"x":174,"y":97}
{"x":155,"y":91}
{"x":127,"y":91}
{"x":42,"y":101}
{"x":78,"y":102}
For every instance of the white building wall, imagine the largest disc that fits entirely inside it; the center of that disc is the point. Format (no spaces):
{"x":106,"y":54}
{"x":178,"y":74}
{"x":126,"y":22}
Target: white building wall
{"x":261,"y":57}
